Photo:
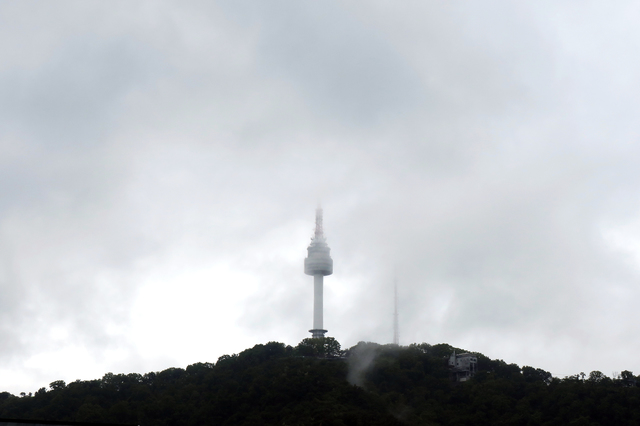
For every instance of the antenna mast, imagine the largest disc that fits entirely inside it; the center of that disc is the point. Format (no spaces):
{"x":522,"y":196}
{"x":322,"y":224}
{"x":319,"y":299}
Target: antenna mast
{"x":319,"y":233}
{"x":396,"y":332}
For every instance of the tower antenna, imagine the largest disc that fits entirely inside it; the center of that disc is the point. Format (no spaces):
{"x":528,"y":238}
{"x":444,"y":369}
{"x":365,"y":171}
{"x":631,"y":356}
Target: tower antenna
{"x":318,"y":263}
{"x":319,"y":233}
{"x":396,"y":331}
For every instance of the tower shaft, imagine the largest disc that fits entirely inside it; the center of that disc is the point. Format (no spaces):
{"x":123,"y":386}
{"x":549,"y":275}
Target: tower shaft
{"x":317,"y":301}
{"x":318,"y":330}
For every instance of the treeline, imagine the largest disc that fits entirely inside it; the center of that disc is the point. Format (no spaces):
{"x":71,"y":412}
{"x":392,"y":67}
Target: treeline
{"x":317,"y":383}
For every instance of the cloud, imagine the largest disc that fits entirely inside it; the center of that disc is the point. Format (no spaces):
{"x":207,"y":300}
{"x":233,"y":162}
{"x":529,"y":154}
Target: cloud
{"x":160,"y":165}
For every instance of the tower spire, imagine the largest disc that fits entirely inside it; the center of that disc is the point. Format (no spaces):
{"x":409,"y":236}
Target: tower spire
{"x":319,"y":231}
{"x":396,"y":331}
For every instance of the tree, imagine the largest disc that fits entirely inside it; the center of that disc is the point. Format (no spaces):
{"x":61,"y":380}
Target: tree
{"x":536,"y":374}
{"x":58,"y":384}
{"x":628,"y":378}
{"x":596,"y":376}
{"x":323,"y":347}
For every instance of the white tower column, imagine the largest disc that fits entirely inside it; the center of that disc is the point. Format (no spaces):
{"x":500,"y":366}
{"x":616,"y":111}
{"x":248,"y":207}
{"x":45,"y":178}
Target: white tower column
{"x":317,"y":302}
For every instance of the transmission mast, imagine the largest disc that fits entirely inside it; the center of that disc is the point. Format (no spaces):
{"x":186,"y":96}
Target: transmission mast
{"x":396,"y":332}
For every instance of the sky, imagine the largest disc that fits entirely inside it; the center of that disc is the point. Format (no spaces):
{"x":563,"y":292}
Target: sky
{"x":161,"y":163}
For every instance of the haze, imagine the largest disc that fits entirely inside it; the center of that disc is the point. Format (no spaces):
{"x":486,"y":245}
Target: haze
{"x":161,"y":162}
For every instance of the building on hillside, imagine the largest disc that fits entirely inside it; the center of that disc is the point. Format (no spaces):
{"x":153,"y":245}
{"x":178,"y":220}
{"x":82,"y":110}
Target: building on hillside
{"x":462,"y":366}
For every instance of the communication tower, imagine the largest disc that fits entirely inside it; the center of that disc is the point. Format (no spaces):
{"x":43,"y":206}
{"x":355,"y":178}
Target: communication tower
{"x":318,"y":263}
{"x":396,"y":328}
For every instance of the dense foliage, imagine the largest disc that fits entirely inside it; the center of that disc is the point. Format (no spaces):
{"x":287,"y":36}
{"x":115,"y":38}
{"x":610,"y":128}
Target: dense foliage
{"x":316,"y":383}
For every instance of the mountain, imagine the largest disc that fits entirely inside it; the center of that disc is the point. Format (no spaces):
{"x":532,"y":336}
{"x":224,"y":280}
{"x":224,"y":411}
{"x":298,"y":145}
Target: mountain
{"x":316,"y":383}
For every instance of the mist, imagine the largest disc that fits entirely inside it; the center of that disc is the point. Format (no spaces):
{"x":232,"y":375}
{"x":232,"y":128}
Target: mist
{"x":160,"y":166}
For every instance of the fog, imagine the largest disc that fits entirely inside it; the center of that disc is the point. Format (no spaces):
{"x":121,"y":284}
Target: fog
{"x":160,"y":166}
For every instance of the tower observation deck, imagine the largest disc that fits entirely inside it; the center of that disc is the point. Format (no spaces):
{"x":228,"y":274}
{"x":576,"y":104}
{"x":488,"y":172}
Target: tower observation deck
{"x":318,"y":263}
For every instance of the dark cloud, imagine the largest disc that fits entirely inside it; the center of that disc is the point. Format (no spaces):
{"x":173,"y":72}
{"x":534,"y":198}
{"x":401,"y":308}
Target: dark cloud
{"x":72,"y":99}
{"x":343,"y":68}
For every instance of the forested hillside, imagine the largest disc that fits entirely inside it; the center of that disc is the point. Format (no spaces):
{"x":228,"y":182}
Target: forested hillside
{"x":316,"y":383}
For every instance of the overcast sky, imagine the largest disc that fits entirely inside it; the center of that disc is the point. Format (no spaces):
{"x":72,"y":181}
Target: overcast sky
{"x":161,"y":162}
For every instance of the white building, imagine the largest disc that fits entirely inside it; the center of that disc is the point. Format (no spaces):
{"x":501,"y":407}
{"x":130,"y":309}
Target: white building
{"x":463,"y":366}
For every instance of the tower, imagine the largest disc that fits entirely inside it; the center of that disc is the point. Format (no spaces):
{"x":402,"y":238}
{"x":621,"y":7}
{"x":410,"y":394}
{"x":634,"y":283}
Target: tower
{"x":396,"y":331}
{"x":318,"y":263}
